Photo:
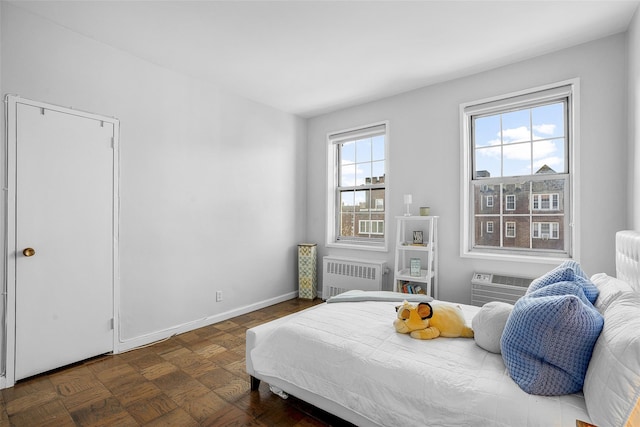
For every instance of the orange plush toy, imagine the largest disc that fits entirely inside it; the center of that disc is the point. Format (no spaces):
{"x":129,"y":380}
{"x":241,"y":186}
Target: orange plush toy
{"x":426,"y":322}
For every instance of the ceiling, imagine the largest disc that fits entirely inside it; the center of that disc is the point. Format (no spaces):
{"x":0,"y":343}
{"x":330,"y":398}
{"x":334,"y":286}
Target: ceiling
{"x":312,"y":57}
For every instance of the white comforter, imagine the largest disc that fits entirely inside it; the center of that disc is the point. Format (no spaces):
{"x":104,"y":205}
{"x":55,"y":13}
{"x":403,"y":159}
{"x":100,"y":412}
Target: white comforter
{"x":349,"y":353}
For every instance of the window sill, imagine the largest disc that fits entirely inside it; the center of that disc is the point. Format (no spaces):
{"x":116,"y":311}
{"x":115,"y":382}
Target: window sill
{"x":490,"y":256}
{"x":358,"y":246}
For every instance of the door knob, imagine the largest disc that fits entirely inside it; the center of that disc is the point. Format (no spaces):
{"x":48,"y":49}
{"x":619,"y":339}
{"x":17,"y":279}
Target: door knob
{"x":29,"y":252}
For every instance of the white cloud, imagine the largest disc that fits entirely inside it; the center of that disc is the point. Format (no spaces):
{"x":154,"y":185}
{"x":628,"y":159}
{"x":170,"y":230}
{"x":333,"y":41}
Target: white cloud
{"x":545,"y":152}
{"x":516,"y":134}
{"x":545,"y":129}
{"x":349,"y":180}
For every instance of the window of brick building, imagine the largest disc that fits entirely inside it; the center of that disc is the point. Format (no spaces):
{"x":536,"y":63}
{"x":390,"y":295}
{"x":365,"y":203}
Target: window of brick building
{"x":358,"y":187}
{"x":518,"y":152}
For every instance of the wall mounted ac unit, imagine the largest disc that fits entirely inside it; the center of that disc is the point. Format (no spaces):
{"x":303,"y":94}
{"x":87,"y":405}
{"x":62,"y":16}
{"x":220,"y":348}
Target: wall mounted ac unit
{"x":486,"y":287}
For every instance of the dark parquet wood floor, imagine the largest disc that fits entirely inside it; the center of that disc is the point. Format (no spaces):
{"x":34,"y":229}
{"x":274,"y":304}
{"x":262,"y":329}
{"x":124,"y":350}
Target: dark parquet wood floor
{"x":194,"y":379}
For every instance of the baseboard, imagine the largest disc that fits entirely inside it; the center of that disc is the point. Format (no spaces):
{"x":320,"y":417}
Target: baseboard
{"x":144,"y":340}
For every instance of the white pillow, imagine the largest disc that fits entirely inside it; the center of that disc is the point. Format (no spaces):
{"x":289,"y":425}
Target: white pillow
{"x":612,"y":383}
{"x":610,"y":288}
{"x":488,"y":325}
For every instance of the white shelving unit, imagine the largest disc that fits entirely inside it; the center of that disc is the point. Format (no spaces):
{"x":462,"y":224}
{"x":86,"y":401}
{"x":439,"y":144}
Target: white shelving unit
{"x":427,"y":253}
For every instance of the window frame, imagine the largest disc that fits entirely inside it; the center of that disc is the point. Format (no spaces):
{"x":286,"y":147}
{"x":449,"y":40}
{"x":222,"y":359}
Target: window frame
{"x":554,"y":230}
{"x":537,"y":200}
{"x":489,"y":200}
{"x":516,"y":100}
{"x":369,"y":225}
{"x":510,"y":226}
{"x":332,"y":222}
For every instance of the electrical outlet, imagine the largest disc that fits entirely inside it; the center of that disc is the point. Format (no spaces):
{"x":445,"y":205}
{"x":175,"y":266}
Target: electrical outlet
{"x":218,"y":296}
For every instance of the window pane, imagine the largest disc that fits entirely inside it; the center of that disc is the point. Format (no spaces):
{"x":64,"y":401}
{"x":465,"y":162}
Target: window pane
{"x":363,"y":150}
{"x":516,"y":232}
{"x":554,"y":190}
{"x":378,"y":199}
{"x":548,"y":121}
{"x":377,"y":172}
{"x":361,"y":200}
{"x":487,"y":162}
{"x":348,"y":175}
{"x":516,"y":127}
{"x":348,"y":152}
{"x":363,"y":173}
{"x":517,"y":160}
{"x":347,"y":209}
{"x":377,"y":147}
{"x":490,"y":238}
{"x":487,"y":131}
{"x":548,"y":156}
{"x":548,"y":235}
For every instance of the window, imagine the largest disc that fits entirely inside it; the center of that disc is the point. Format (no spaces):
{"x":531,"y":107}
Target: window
{"x":546,"y":202}
{"x":490,"y":201}
{"x":371,"y":227}
{"x":358,"y":189}
{"x":546,"y":230}
{"x":510,"y":229}
{"x":519,"y":148}
{"x":489,"y":226}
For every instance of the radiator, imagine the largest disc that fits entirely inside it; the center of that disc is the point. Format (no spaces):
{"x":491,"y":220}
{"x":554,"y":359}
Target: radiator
{"x":487,"y":287}
{"x":343,"y":274}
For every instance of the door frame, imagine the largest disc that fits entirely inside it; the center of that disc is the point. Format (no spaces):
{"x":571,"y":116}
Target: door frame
{"x":11,"y":103}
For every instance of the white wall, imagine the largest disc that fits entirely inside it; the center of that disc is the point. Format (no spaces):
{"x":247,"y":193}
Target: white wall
{"x":633,"y":53}
{"x":212,"y":185}
{"x":425,"y":155}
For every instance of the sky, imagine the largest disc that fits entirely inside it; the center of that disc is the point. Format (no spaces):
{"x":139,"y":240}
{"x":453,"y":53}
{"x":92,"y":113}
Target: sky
{"x":520,"y":142}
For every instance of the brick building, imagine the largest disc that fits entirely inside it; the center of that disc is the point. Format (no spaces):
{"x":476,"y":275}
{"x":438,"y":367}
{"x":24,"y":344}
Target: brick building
{"x":525,"y":215}
{"x":366,"y":218}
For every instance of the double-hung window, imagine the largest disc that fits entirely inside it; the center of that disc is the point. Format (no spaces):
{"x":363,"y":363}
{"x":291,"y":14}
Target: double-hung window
{"x":358,"y":187}
{"x":518,"y":152}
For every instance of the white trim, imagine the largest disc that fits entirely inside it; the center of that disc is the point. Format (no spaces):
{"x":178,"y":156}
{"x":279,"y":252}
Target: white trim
{"x":332,"y":180}
{"x":357,"y":133}
{"x":518,"y":98}
{"x":11,"y":102}
{"x":144,"y":340}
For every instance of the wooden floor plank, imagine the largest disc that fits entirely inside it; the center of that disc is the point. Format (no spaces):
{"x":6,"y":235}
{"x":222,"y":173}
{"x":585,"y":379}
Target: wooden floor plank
{"x":194,"y":379}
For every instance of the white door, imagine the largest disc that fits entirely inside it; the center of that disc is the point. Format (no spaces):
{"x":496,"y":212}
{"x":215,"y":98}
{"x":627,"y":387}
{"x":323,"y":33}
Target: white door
{"x":65,"y":224}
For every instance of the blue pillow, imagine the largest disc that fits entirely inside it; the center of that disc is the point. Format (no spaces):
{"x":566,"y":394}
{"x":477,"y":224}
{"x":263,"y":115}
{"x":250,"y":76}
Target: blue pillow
{"x":548,"y":339}
{"x":567,"y":271}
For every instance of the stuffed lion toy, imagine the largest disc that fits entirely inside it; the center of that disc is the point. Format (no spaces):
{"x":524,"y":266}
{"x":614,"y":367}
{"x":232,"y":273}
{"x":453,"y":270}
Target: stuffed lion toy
{"x":425,"y":322}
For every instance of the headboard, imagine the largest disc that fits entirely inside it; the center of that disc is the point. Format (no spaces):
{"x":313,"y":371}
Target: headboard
{"x":628,"y":257}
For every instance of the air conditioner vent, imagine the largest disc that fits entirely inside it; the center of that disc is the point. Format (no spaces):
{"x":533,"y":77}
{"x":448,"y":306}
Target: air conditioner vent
{"x":487,"y":287}
{"x":522,"y":282}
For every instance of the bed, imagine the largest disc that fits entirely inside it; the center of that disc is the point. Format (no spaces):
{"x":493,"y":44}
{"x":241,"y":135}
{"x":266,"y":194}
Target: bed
{"x":347,"y":359}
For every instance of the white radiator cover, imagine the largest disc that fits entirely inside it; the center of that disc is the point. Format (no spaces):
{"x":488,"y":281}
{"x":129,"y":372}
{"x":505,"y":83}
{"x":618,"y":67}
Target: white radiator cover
{"x":487,"y":287}
{"x":344,"y":274}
